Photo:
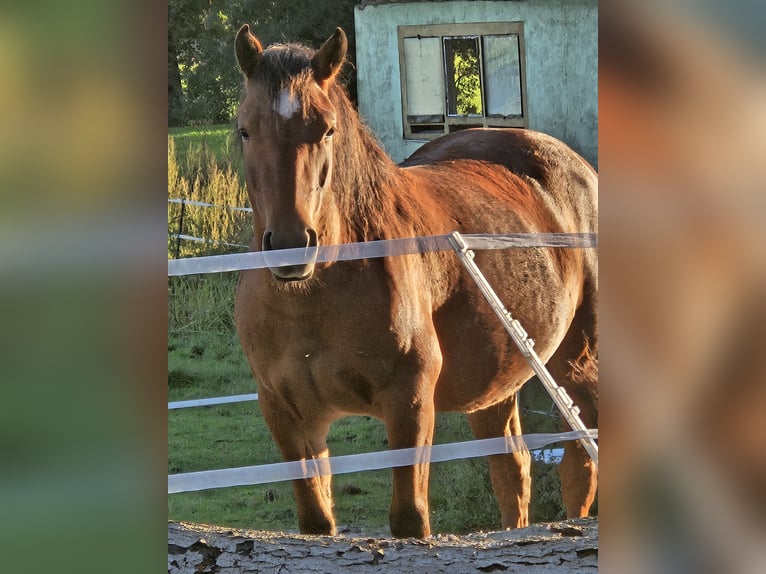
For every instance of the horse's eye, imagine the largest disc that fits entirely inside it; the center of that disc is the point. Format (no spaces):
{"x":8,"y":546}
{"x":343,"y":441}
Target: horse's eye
{"x":243,"y":134}
{"x":329,"y":133}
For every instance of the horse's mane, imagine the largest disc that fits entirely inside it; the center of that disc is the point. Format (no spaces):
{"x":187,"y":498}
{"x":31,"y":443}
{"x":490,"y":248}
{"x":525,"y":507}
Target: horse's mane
{"x":364,"y":177}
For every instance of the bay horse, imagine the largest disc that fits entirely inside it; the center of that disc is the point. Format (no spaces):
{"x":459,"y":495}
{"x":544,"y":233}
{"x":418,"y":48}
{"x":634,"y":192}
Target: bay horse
{"x":401,"y":338}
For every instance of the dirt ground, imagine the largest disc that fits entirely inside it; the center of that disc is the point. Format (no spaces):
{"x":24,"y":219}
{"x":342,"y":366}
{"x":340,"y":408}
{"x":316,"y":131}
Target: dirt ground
{"x":570,"y":546}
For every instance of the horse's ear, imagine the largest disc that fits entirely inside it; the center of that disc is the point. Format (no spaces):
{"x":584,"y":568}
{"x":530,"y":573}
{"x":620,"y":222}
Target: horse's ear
{"x":248,"y":50}
{"x":328,"y":60}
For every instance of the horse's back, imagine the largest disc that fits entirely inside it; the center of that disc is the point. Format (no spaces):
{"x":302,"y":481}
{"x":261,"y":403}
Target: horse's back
{"x":522,"y":151}
{"x":540,"y":160}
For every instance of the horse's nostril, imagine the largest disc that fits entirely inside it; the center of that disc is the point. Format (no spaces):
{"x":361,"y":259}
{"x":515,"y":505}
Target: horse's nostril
{"x":267,"y":241}
{"x":313,"y":239}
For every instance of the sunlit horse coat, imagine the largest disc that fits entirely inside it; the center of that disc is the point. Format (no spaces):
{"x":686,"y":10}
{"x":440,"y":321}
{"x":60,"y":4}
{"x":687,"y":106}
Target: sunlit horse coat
{"x":401,"y":338}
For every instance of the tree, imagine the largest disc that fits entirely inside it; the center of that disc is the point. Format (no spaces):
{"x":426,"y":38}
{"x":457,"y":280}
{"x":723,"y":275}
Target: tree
{"x":201,"y":63}
{"x":464,"y":77}
{"x":175,"y":92}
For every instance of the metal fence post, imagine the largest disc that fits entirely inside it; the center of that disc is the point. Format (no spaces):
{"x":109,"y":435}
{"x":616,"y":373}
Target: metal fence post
{"x":180,"y":228}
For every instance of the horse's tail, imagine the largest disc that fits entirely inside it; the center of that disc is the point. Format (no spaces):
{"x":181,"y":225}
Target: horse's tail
{"x":584,"y":369}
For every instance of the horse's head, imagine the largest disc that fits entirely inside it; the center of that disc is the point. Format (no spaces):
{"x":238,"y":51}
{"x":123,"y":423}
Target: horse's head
{"x":286,"y":123}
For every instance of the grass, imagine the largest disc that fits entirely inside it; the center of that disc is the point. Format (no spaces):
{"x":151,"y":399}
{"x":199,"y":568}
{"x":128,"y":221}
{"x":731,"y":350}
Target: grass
{"x":193,"y":143}
{"x":205,"y":360}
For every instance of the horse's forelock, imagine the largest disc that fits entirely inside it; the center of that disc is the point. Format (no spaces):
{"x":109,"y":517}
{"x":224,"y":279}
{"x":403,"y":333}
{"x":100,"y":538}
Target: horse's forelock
{"x":282,"y":63}
{"x":286,"y":67}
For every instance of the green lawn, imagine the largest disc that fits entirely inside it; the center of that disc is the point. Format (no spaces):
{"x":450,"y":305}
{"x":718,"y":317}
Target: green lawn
{"x":196,"y":147}
{"x":217,"y":140}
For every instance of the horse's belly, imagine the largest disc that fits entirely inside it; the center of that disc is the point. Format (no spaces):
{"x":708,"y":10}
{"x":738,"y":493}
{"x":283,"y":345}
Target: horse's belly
{"x":478,"y":371}
{"x":481,"y":364}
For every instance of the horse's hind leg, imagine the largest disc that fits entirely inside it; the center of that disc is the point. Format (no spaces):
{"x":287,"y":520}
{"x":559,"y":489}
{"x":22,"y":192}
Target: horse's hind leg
{"x":578,"y":473}
{"x":575,"y":367}
{"x":510,"y":473}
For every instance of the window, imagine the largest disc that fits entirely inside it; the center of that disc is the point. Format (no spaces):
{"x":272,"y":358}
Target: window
{"x":456,"y":76}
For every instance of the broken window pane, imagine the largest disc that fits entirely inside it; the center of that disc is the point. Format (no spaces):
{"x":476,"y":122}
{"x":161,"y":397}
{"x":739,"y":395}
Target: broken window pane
{"x":461,"y":55}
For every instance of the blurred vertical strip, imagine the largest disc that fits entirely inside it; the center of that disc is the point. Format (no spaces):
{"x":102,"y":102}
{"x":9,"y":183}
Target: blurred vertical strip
{"x":682,"y":141}
{"x":82,"y":285}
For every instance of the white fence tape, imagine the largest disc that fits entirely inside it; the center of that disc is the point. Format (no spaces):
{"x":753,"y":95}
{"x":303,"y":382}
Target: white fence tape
{"x":250,"y":475}
{"x":203,"y":240}
{"x":372,"y":249}
{"x":203,"y":204}
{"x":212,"y":401}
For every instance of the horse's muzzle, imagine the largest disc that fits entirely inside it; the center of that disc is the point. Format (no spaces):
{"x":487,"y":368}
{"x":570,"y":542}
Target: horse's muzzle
{"x":302,"y":272}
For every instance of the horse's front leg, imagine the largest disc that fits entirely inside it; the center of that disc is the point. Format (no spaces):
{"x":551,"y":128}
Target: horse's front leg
{"x":300,"y":436}
{"x":411,"y":427}
{"x":409,"y":420}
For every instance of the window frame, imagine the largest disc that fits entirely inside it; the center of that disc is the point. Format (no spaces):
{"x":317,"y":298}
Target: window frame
{"x":452,"y":123}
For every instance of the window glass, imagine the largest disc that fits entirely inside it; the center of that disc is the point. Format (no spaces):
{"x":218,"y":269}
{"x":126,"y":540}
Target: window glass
{"x":502,"y":72}
{"x":425,"y":88}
